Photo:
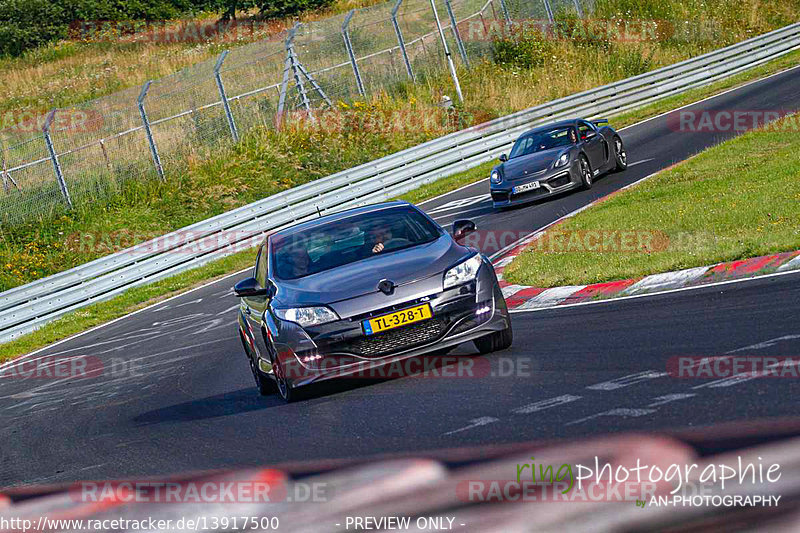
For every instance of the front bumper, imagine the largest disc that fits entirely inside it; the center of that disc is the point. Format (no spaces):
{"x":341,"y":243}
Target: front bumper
{"x":552,"y":182}
{"x":341,"y":349}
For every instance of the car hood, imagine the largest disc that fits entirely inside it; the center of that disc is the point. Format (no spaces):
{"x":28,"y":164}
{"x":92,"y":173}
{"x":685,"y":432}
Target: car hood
{"x":532,"y":163}
{"x":402,"y":267}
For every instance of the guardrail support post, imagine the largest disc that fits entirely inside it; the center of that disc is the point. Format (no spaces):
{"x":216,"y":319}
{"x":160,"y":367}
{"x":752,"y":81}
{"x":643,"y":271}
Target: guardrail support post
{"x":461,"y":50}
{"x":298,"y":80}
{"x":447,"y":54}
{"x":400,"y":39}
{"x":504,"y":8}
{"x":223,"y":97}
{"x":578,"y":8}
{"x":549,"y":11}
{"x":148,"y":132}
{"x":54,"y":157}
{"x":349,"y":45}
{"x":287,"y":66}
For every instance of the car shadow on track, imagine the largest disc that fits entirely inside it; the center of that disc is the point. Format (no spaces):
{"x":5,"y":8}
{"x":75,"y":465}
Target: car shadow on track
{"x":247,"y":399}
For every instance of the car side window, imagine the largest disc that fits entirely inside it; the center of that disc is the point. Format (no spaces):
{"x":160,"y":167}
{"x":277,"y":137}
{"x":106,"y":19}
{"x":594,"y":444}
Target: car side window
{"x":261,"y":266}
{"x":584,"y":127}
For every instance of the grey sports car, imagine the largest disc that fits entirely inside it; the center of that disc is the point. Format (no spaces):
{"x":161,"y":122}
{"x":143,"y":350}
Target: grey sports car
{"x":348,"y":292}
{"x":556,"y":158}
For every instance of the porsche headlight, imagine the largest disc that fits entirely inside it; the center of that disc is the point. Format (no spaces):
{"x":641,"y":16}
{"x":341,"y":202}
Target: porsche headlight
{"x":307,"y":316}
{"x":495,"y":177}
{"x":463,"y":272}
{"x":563,"y":160}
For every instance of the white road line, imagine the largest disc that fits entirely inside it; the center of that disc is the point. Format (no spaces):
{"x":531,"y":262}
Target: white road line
{"x":668,"y":398}
{"x":766,"y":344}
{"x":627,"y":381}
{"x":545,"y":404}
{"x":625,"y":413}
{"x":475,"y":422}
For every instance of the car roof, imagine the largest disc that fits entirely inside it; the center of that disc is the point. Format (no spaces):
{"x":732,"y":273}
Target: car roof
{"x":340,"y":215}
{"x":551,"y":125}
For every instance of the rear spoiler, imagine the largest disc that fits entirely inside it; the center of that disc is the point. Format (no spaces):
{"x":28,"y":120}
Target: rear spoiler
{"x":600,"y":122}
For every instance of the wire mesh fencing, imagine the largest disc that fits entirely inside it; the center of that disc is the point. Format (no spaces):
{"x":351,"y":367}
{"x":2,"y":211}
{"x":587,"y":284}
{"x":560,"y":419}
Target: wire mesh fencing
{"x":88,"y":152}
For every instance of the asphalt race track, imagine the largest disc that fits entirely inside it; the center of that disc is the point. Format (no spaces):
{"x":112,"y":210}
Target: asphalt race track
{"x":179,"y":395}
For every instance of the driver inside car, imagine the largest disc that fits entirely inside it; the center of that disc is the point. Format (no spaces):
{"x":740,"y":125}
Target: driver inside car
{"x":376,"y":238}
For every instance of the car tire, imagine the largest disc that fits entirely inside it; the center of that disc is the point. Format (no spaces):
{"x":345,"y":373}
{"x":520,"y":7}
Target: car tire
{"x":494,"y":342}
{"x":282,"y":385}
{"x":586,"y":173}
{"x":620,"y":155}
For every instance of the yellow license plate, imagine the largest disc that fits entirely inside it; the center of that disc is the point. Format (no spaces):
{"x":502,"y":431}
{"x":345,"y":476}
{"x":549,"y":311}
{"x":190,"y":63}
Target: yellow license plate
{"x":397,"y":319}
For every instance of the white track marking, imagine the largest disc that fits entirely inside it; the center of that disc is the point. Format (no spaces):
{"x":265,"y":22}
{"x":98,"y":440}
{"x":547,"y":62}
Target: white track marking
{"x":668,"y":398}
{"x":474,"y":423}
{"x":766,"y":344}
{"x":625,"y":413}
{"x":627,"y":381}
{"x":545,"y":404}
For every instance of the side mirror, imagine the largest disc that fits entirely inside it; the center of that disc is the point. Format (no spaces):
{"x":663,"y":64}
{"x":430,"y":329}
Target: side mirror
{"x":589,"y":135}
{"x":462,"y":228}
{"x":503,"y":158}
{"x":249,"y":287}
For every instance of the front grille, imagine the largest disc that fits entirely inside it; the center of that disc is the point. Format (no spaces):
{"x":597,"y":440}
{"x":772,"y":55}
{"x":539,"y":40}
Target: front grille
{"x":395,"y":340}
{"x":533,"y":193}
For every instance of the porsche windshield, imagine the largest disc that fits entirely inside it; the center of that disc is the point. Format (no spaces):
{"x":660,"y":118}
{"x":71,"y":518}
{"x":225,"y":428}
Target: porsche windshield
{"x":543,"y":140}
{"x":339,"y":242}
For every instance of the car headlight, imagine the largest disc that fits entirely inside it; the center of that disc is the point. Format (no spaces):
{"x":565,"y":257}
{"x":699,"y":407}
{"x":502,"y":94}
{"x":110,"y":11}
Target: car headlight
{"x":495,"y":177}
{"x":463,"y":272}
{"x":563,"y":160}
{"x":307,"y":316}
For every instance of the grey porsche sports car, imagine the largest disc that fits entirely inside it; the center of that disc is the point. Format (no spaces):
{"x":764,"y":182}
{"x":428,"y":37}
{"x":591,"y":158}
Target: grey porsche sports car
{"x":556,"y":158}
{"x":358,"y":289}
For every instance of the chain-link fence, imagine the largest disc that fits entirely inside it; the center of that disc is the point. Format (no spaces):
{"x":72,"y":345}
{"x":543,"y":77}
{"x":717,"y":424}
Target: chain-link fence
{"x":88,"y":151}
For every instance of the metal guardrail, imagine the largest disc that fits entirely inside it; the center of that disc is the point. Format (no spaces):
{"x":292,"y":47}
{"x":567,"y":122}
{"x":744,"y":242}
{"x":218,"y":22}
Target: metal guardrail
{"x":27,"y":307}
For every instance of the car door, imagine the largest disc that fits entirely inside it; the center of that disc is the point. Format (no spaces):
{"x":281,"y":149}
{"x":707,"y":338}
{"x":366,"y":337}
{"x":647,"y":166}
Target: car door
{"x":254,"y":306}
{"x":593,"y":144}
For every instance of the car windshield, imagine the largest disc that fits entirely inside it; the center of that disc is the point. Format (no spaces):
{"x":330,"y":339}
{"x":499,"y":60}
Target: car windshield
{"x":543,"y":140}
{"x":339,"y":242}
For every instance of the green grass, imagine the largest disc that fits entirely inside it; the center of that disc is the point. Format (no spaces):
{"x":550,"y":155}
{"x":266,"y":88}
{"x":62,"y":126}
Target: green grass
{"x":736,"y":200}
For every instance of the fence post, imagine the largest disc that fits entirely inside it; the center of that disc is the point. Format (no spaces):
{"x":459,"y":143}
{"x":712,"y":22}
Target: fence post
{"x":224,"y":97}
{"x":549,"y":11}
{"x":504,"y":8}
{"x":287,"y":66}
{"x":459,"y":43}
{"x":349,"y":46}
{"x":6,"y":185}
{"x":578,"y":8}
{"x":54,"y":158}
{"x":148,"y":132}
{"x":400,"y":40}
{"x":449,"y":57}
